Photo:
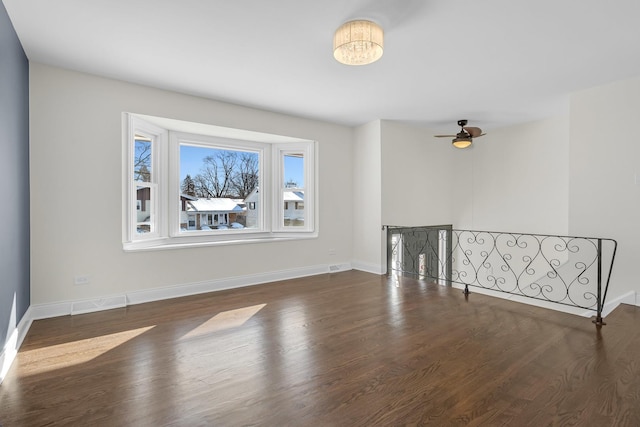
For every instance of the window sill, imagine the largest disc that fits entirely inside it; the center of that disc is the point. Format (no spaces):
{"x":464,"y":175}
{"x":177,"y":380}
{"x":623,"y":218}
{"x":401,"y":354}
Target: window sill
{"x":206,"y":241}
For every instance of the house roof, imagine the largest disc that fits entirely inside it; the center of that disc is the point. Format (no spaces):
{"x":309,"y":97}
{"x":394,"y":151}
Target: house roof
{"x":214,"y":205}
{"x":294,"y":196}
{"x":496,"y":63}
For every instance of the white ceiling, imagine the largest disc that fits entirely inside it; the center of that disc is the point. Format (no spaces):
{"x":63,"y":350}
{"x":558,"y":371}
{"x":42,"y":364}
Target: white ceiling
{"x":494,"y":62}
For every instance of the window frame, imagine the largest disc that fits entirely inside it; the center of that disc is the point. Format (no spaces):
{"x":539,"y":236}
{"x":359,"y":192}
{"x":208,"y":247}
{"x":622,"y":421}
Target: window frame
{"x":168,"y":135}
{"x":176,"y":139}
{"x":280,"y":152}
{"x":158,"y":140}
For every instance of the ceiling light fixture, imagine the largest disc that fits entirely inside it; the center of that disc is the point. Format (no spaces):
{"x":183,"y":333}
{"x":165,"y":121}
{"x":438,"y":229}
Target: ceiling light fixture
{"x":358,"y":42}
{"x":462,"y":140}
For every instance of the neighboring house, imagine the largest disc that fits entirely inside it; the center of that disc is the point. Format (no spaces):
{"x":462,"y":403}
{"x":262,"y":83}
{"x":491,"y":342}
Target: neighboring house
{"x":251,"y":202}
{"x":186,"y":223}
{"x":199,"y":214}
{"x":204,"y":214}
{"x":143,"y":201}
{"x":293,"y":208}
{"x":144,"y":209}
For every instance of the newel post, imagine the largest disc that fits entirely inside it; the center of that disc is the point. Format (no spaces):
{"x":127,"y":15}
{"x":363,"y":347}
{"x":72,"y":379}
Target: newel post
{"x":598,"y":320}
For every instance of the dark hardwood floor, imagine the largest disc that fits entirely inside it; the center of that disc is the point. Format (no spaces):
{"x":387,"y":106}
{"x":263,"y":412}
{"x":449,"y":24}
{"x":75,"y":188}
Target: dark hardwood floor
{"x":345,"y":349}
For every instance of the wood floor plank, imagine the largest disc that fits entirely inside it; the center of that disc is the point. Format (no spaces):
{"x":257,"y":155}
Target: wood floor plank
{"x":344,"y":349}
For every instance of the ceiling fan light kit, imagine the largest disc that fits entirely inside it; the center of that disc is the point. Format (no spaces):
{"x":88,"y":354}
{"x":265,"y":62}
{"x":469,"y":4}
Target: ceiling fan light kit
{"x":358,"y":42}
{"x":464,"y":138}
{"x":461,"y":141}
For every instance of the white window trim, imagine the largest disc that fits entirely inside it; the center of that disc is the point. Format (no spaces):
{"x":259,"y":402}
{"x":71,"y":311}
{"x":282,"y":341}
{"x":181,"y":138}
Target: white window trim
{"x":158,"y":137}
{"x":168,"y":134}
{"x":178,"y":138}
{"x":280,"y":151}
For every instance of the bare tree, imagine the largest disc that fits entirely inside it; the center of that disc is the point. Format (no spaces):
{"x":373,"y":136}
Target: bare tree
{"x":245,"y":178}
{"x":142,"y":161}
{"x":226,"y":173}
{"x":204,"y":186}
{"x":216,"y":176}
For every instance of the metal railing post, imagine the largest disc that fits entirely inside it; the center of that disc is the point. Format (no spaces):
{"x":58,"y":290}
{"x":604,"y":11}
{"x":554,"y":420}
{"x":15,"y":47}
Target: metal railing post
{"x":449,"y":255}
{"x":385,"y":228}
{"x":598,"y":320}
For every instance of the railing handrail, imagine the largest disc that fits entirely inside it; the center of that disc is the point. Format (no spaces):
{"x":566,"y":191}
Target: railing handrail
{"x":442,"y":227}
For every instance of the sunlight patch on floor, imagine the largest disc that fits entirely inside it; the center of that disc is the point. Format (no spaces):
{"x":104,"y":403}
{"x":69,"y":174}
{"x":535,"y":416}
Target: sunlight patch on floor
{"x":60,"y":356}
{"x":225,"y":320}
{"x":11,"y":345}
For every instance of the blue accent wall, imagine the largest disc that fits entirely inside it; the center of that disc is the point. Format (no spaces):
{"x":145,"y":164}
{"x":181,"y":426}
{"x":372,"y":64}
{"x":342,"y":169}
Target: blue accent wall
{"x":14,"y":179}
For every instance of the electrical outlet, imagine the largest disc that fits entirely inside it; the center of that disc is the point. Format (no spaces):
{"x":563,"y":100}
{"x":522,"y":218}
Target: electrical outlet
{"x":81,"y":280}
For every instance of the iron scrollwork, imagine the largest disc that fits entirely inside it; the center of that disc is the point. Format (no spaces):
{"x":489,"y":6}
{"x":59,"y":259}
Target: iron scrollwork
{"x":558,"y":269}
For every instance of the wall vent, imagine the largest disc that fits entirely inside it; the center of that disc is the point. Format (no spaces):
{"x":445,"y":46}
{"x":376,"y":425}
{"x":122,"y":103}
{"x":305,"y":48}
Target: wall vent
{"x":88,"y":306}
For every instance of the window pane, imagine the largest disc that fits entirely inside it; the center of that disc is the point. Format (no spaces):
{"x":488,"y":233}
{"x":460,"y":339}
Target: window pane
{"x":293,"y":171}
{"x":144,"y":210}
{"x":216,"y":187}
{"x":293,"y":208}
{"x":142,"y":159}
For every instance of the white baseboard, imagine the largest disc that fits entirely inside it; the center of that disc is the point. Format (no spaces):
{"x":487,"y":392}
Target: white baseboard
{"x":49,"y":310}
{"x":157,"y":294}
{"x":13,"y":343}
{"x":628,"y":298}
{"x":524,"y":300}
{"x":64,"y":308}
{"x":369,"y":267}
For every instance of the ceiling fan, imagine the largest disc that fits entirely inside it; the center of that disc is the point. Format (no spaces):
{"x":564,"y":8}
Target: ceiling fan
{"x":464,"y":138}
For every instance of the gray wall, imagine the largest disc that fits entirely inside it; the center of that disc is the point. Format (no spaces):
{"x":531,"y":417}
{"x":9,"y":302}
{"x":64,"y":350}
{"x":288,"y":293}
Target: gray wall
{"x":14,"y":179}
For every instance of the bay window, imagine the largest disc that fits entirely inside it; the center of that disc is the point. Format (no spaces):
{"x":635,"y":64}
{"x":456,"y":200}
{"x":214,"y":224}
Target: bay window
{"x":189,"y":184}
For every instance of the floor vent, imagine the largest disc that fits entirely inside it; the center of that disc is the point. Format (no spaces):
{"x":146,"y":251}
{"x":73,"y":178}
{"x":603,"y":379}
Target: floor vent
{"x":334,"y":268}
{"x":81,"y":307}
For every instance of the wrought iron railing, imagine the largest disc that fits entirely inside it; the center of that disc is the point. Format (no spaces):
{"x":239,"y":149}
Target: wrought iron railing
{"x":557,"y":269}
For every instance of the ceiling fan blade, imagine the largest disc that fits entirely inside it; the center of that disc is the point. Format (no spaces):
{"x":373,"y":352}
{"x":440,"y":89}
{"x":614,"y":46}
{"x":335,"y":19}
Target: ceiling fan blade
{"x":483,"y":134}
{"x":473,"y":131}
{"x":444,"y":136}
